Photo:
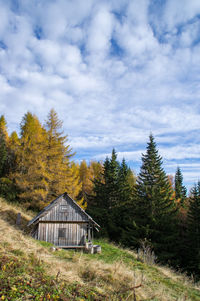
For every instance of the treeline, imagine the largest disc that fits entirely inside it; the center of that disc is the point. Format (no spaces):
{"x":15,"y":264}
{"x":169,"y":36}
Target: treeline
{"x":38,"y":165}
{"x":152,"y":211}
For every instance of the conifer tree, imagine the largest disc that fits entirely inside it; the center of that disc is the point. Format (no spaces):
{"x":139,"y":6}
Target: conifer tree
{"x":122,"y":213}
{"x":86,"y":177}
{"x":62,"y":171}
{"x":193,"y":234}
{"x":180,"y":189}
{"x":74,"y":184}
{"x":105,"y":195}
{"x":96,"y":169}
{"x":31,"y":176}
{"x":126,"y":182}
{"x":7,"y":189}
{"x":155,"y":212}
{"x":112,"y":194}
{"x":3,"y":147}
{"x":13,"y":144}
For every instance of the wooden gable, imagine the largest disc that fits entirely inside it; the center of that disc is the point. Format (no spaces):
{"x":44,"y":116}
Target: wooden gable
{"x":65,"y":210}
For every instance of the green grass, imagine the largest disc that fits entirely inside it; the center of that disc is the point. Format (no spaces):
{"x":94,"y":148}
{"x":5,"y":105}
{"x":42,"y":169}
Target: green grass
{"x":25,"y":278}
{"x":112,"y":254}
{"x":105,"y":276}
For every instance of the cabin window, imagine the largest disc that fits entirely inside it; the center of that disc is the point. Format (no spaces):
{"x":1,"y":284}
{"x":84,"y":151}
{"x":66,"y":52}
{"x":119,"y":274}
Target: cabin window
{"x":61,"y":233}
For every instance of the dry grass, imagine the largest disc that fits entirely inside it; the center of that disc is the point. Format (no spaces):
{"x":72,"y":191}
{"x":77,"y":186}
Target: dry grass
{"x":158,"y":283}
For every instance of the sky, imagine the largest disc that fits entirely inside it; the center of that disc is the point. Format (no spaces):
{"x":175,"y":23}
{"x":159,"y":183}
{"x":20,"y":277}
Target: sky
{"x":114,"y":71}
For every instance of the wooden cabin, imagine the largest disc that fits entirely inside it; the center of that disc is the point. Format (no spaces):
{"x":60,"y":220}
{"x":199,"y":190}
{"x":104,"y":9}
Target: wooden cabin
{"x":64,"y":223}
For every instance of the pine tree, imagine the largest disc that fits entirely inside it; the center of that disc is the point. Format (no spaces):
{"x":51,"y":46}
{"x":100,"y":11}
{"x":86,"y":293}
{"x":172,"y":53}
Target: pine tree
{"x":180,"y":189}
{"x":193,"y":233}
{"x":31,"y":177}
{"x":155,"y":212}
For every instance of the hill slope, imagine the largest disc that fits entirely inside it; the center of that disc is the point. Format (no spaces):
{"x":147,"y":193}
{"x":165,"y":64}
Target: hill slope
{"x":29,"y":270}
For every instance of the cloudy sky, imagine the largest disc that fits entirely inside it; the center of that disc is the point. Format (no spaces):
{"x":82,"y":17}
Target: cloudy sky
{"x":113,"y":70}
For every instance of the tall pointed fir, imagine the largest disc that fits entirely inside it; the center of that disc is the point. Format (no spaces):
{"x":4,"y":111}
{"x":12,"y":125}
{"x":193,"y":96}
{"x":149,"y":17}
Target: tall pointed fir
{"x":112,"y":194}
{"x":155,"y":212}
{"x":105,"y":196}
{"x":123,"y":212}
{"x":31,"y":175}
{"x":193,"y":233}
{"x":180,"y":189}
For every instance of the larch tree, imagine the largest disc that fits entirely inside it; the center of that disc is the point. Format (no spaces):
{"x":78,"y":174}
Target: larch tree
{"x":3,"y":147}
{"x":155,"y":210}
{"x":63,"y":173}
{"x":13,"y":145}
{"x":86,"y":177}
{"x":31,"y":175}
{"x":74,"y":185}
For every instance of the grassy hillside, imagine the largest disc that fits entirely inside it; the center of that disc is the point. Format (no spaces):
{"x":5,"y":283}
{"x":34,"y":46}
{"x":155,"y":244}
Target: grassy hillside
{"x":29,"y":270}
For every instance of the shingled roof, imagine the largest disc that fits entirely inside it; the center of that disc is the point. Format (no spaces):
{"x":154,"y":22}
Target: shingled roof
{"x":43,"y":212}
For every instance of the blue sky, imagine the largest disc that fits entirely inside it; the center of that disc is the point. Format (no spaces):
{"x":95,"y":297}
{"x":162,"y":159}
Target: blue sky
{"x":113,"y":70}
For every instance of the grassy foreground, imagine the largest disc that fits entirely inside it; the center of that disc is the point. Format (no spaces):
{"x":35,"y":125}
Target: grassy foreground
{"x":29,"y":270}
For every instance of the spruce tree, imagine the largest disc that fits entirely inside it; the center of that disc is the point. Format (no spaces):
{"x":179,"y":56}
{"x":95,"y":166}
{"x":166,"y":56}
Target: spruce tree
{"x":126,"y":182}
{"x":109,"y":204}
{"x":123,"y":212}
{"x":193,"y":233}
{"x":104,"y":198}
{"x":154,"y":212}
{"x":180,"y":189}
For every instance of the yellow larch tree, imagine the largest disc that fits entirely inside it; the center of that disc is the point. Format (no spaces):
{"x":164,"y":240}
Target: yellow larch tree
{"x":31,"y":176}
{"x":63,"y":172}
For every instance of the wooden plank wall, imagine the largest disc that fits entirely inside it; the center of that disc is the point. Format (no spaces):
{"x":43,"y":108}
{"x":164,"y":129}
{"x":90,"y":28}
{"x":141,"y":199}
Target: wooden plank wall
{"x":75,"y":233}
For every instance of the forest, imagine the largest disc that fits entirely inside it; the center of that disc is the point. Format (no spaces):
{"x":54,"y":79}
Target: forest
{"x":151,"y":209}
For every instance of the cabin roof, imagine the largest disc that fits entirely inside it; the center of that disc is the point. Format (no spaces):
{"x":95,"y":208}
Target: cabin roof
{"x":44,"y":211}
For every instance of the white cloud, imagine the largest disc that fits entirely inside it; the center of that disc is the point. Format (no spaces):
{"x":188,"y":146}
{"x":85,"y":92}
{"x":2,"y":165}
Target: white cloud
{"x":100,"y":31}
{"x":113,"y":70}
{"x":178,"y":12}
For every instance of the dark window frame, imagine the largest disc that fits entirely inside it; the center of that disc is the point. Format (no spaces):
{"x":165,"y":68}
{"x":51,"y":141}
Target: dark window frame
{"x":61,"y":232}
